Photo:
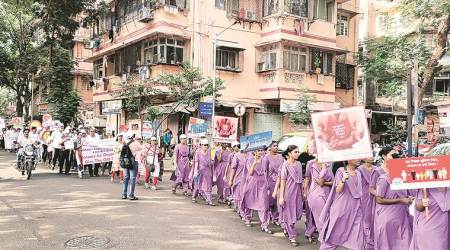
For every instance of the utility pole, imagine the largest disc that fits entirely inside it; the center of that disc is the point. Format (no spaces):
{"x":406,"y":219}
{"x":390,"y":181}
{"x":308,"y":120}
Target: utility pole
{"x":409,"y":104}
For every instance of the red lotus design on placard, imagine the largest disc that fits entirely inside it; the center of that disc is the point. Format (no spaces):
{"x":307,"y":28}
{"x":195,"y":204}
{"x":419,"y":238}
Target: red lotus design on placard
{"x":225,"y":127}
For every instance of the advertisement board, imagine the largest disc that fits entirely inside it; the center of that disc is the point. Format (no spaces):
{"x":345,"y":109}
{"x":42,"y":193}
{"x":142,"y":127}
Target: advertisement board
{"x":341,"y":134}
{"x":419,"y":172}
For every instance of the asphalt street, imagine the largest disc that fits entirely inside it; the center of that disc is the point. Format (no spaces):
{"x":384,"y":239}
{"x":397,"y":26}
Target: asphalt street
{"x":53,"y":211}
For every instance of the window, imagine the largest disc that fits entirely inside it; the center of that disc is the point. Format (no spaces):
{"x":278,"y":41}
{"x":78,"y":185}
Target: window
{"x":98,"y":69}
{"x":294,"y":58}
{"x":270,"y":7}
{"x":177,"y":3}
{"x":220,"y":4}
{"x":345,"y":76}
{"x":268,"y":59}
{"x":227,"y":59}
{"x":164,"y":50}
{"x":297,"y":7}
{"x":322,"y":60}
{"x":442,"y":86}
{"x":342,"y":26}
{"x":323,"y":10}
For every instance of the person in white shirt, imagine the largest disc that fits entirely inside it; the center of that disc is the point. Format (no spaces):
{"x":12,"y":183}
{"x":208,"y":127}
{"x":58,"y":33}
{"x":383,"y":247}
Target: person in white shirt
{"x":93,"y":139}
{"x":66,"y":148}
{"x":23,"y":140}
{"x":55,"y":141}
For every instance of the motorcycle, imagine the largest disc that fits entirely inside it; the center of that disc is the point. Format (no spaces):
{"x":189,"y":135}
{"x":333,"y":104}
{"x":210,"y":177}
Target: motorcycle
{"x":27,"y":161}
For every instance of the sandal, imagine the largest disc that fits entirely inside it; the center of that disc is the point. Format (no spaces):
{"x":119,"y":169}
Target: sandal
{"x":286,"y":234}
{"x":124,"y":197}
{"x":194,"y":200}
{"x":311,"y":240}
{"x":266,"y":230}
{"x":134,"y":198}
{"x":248,"y":224}
{"x":294,"y":243}
{"x":211,"y":204}
{"x":174,"y":190}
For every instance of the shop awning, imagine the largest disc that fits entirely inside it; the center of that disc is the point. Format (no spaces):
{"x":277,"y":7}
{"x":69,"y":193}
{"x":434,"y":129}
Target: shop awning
{"x":229,"y":45}
{"x":232,"y":104}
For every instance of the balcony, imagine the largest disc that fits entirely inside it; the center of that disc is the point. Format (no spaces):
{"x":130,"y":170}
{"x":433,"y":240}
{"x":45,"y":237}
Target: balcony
{"x":245,"y":11}
{"x":284,"y":84}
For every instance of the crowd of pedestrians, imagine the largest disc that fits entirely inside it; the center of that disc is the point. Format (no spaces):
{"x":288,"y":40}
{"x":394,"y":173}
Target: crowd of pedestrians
{"x":351,"y":206}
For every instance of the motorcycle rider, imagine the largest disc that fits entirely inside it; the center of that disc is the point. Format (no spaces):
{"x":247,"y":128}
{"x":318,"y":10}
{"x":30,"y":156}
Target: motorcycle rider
{"x":23,"y":140}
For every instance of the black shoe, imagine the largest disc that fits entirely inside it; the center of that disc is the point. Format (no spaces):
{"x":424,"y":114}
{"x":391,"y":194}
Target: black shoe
{"x":133,"y":198}
{"x":124,"y":197}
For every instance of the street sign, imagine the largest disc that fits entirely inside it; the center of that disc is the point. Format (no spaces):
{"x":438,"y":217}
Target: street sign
{"x":239,"y":109}
{"x":205,"y":109}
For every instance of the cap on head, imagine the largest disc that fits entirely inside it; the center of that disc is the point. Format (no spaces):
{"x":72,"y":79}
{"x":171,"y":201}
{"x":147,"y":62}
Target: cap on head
{"x":183,"y":136}
{"x":234,"y":144}
{"x":153,"y":139}
{"x":204,"y":141}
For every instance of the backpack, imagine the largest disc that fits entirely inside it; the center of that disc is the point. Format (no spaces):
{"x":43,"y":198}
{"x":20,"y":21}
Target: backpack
{"x":126,"y":157}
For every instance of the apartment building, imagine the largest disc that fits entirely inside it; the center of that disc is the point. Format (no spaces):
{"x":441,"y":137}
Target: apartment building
{"x":266,"y":51}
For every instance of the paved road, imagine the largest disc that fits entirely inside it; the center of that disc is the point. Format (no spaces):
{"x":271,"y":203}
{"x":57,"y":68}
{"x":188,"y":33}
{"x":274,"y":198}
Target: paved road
{"x":50,"y":209}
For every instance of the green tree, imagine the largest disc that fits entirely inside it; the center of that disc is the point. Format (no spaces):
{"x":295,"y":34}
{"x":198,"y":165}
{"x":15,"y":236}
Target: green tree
{"x":63,"y":99}
{"x":303,"y":114}
{"x":386,"y":60}
{"x":181,"y":90}
{"x":20,"y":54}
{"x":6,"y":96}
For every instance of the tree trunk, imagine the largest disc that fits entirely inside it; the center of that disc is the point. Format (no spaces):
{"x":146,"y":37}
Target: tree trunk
{"x":19,"y":104}
{"x":431,"y":67}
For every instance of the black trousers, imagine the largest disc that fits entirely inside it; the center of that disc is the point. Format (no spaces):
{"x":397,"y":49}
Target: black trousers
{"x":65,"y":161}
{"x":57,"y":155}
{"x":44,"y":153}
{"x":95,"y":170}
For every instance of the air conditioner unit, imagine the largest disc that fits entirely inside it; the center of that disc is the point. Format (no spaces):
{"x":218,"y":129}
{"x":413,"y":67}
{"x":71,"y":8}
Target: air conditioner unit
{"x":145,"y":15}
{"x":250,"y":15}
{"x":262,"y":66}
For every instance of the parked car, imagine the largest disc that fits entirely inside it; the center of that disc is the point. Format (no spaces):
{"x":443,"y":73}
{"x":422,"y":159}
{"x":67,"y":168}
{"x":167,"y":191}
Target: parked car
{"x":300,"y":139}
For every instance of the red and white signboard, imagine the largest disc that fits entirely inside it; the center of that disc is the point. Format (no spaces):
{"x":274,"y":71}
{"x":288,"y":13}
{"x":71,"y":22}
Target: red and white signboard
{"x":225,"y":129}
{"x":342,"y":134}
{"x":419,"y":172}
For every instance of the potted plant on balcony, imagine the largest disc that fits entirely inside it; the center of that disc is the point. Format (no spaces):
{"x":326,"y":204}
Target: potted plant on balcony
{"x":317,"y":65}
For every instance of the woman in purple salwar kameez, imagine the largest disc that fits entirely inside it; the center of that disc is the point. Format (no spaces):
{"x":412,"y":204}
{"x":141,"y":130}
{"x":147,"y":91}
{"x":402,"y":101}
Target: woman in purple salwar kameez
{"x":392,"y":222}
{"x":318,"y":182}
{"x":290,"y":196}
{"x":342,"y":215}
{"x":220,"y":167}
{"x":183,"y":169}
{"x":228,"y":189}
{"x":432,"y":233}
{"x":202,"y":172}
{"x":273,"y":162}
{"x":237,"y":179}
{"x":256,"y":191}
{"x":369,"y":174}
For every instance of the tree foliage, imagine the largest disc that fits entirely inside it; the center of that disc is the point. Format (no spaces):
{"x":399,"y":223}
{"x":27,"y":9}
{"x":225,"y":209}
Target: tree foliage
{"x":20,"y":54}
{"x":6,"y":96}
{"x":387,"y":59}
{"x":302,"y":116}
{"x":181,"y":90}
{"x":63,"y":99}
